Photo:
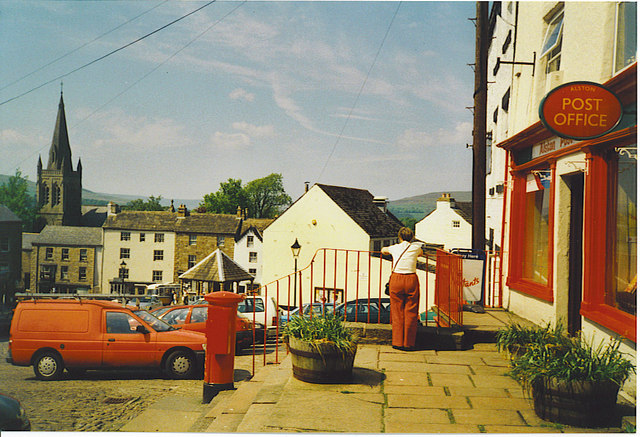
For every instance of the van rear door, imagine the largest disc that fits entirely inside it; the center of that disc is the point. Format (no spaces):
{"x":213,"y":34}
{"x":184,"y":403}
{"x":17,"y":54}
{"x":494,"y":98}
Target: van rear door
{"x":123,"y":345}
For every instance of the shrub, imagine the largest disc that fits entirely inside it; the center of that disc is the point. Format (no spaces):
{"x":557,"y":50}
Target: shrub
{"x":318,"y":329}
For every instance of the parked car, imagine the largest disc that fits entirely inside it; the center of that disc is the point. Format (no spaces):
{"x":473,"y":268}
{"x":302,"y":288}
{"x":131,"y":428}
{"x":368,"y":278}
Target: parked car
{"x":145,"y":302}
{"x":270,"y":315}
{"x":318,"y":308}
{"x":373,"y":310}
{"x":78,"y":334}
{"x":12,"y":415}
{"x":194,"y":318}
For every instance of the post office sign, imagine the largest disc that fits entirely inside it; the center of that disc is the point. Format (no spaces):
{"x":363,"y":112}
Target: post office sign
{"x":580,"y":110}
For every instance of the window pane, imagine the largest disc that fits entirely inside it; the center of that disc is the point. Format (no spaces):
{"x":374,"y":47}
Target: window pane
{"x":623,"y":281}
{"x":536,"y":245}
{"x":553,"y":36}
{"x":626,"y":38}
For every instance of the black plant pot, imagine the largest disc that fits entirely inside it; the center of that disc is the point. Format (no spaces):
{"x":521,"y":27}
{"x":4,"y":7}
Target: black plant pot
{"x":588,"y":404}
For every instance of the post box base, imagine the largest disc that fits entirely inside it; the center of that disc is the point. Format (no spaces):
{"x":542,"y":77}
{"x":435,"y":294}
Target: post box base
{"x":209,"y":391}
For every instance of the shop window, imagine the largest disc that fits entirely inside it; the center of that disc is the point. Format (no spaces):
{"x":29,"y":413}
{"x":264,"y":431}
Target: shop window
{"x":622,"y":279}
{"x":626,"y":35}
{"x":610,"y":253}
{"x":531,"y":234}
{"x":552,"y":45}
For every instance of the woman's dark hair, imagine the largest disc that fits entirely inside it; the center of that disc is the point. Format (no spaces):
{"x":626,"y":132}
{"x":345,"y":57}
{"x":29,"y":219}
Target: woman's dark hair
{"x":405,"y":234}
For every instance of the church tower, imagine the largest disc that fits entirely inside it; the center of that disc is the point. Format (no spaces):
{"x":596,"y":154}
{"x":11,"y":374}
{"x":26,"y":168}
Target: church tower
{"x":59,"y":187}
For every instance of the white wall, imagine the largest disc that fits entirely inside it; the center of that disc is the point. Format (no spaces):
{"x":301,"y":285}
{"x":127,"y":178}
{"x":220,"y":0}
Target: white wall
{"x":437,"y":227}
{"x":241,"y":254}
{"x":140,"y":263}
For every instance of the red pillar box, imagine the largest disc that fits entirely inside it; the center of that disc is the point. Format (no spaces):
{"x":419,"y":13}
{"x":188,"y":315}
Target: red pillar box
{"x":221,"y":343}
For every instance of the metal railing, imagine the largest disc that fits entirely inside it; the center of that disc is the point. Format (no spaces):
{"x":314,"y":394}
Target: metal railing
{"x":448,"y":291}
{"x":334,"y":276}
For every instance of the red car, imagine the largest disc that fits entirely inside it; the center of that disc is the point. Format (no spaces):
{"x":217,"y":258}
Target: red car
{"x":194,"y":318}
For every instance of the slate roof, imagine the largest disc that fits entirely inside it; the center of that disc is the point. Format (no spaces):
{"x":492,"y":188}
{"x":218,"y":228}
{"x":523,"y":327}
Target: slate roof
{"x":93,"y":216}
{"x":358,"y":204}
{"x":258,"y":225}
{"x":27,"y":239}
{"x":465,"y":210}
{"x":6,"y":215}
{"x":173,"y":222}
{"x":216,"y":267}
{"x":69,"y":236}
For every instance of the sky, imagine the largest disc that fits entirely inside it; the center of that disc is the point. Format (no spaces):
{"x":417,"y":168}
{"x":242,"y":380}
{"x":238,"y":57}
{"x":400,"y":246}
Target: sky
{"x":370,"y":95}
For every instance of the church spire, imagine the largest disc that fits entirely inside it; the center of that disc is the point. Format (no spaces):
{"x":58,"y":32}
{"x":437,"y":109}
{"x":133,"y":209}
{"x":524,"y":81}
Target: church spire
{"x":60,"y":151}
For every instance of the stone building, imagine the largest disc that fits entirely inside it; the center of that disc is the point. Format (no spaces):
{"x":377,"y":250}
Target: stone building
{"x":59,"y":187}
{"x":10,"y":253}
{"x":66,"y":259}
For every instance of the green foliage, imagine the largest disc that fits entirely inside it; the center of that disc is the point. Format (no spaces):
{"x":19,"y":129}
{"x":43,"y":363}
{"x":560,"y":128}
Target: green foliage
{"x":261,"y":198}
{"x":409,"y":222}
{"x":266,"y":196}
{"x":14,"y":195}
{"x":320,"y":329}
{"x":153,"y":204}
{"x":573,"y":360}
{"x":515,"y":336}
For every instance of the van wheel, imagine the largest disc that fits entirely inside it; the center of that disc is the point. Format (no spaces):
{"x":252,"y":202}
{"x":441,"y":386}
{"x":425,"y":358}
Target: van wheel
{"x":48,"y":366}
{"x":180,"y":365}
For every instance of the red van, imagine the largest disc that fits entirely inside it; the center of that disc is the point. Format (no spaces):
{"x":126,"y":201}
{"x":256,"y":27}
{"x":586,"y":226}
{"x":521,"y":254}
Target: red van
{"x":78,"y":334}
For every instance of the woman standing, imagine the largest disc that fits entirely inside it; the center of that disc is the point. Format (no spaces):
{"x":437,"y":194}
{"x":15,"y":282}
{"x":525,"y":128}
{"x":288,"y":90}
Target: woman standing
{"x":404,"y":290}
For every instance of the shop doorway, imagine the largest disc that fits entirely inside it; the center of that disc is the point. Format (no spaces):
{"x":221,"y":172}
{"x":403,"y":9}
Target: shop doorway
{"x":576,"y":186}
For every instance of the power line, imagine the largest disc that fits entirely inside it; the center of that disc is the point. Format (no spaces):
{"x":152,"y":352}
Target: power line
{"x":82,"y":46}
{"x":344,"y":126}
{"x":200,"y":35}
{"x":108,"y":54}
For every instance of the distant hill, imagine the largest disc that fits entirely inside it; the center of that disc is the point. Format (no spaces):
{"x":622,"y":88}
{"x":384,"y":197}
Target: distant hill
{"x":93,"y":198}
{"x":418,"y":207}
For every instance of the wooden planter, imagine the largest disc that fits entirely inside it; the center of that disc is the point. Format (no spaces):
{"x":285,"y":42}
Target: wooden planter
{"x":320,"y":362}
{"x":590,"y":404}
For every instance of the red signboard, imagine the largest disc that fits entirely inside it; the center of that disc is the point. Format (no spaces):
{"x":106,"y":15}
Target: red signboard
{"x":580,"y":110}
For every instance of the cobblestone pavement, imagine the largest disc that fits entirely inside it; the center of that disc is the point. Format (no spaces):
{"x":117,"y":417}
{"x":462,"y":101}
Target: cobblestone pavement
{"x":100,"y":400}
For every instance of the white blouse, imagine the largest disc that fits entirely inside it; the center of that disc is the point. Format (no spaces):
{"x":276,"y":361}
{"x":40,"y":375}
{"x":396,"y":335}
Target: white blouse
{"x":406,"y":264}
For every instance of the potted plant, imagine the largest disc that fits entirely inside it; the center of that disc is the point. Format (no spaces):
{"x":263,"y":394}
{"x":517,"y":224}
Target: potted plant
{"x":576,"y":383}
{"x":322,"y":349}
{"x":516,"y":338}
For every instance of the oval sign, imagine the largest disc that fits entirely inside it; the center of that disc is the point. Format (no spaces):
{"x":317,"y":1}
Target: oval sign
{"x":580,"y":110}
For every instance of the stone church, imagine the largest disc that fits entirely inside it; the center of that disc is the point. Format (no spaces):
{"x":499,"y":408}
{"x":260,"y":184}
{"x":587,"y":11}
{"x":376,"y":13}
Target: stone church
{"x":59,"y":186}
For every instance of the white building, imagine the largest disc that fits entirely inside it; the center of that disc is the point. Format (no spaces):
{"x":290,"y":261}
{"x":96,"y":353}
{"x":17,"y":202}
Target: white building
{"x":449,"y":224}
{"x":248,"y":251}
{"x":570,"y":251}
{"x":331,"y":217}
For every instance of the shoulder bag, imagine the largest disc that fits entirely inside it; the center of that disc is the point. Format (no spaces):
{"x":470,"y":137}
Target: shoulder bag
{"x":386,"y":286}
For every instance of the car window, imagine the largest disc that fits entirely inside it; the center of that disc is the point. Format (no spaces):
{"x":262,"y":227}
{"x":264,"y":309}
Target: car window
{"x":153,"y":321}
{"x":121,"y":323}
{"x":199,"y":315}
{"x":246,"y":306}
{"x":176,"y":316}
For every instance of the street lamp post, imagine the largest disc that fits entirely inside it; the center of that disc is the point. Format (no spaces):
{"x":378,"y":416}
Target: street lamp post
{"x":123,"y":268}
{"x":295,"y":250}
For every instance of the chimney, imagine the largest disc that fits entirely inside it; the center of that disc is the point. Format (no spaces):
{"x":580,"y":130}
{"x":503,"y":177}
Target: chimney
{"x":306,"y":186}
{"x":171,"y":208}
{"x":183,"y":211}
{"x":381,"y":203}
{"x":239,"y":213}
{"x":446,"y":199}
{"x":112,"y":208}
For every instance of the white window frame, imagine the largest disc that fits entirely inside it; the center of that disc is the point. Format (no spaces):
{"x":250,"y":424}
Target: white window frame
{"x":615,"y":42}
{"x":553,"y":40}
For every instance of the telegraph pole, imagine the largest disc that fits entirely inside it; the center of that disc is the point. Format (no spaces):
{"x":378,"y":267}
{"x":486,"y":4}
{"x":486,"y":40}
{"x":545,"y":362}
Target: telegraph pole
{"x":480,"y":126}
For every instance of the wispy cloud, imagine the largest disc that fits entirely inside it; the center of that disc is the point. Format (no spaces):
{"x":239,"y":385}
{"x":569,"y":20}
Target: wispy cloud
{"x":242,"y":94}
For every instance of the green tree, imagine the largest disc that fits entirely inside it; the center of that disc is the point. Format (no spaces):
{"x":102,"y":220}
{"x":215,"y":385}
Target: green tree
{"x":262,"y":198}
{"x":227,"y":199}
{"x":152,"y":204}
{"x":409,"y":222}
{"x":266,"y":196}
{"x":15,"y":196}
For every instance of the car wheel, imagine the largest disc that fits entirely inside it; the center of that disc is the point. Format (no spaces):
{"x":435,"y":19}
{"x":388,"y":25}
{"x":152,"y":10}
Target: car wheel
{"x":48,"y":366}
{"x":180,"y":365}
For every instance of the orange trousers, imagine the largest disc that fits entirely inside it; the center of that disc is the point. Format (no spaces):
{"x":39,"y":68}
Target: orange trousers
{"x":404,"y":293}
